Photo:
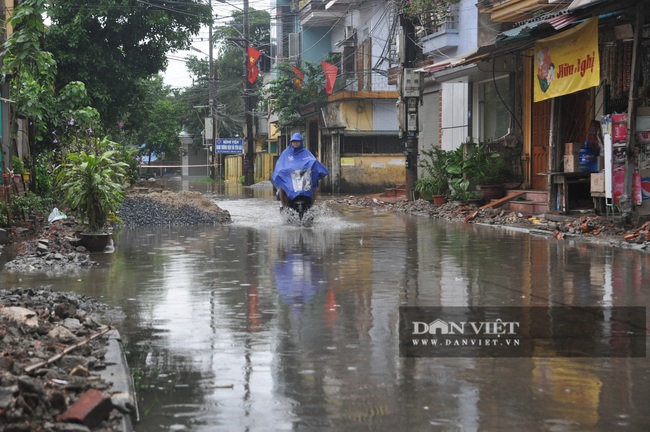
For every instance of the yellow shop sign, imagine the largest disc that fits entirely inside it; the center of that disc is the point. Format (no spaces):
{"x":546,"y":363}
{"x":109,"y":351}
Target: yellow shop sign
{"x":567,"y":62}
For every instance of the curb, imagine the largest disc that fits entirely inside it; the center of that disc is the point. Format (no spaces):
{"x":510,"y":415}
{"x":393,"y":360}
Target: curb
{"x":117,"y":373}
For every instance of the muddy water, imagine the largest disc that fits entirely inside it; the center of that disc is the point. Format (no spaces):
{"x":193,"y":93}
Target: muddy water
{"x":262,"y":326}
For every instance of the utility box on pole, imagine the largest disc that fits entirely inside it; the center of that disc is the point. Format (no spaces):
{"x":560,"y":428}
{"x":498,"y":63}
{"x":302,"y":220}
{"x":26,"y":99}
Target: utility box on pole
{"x":410,"y":91}
{"x":410,"y":83}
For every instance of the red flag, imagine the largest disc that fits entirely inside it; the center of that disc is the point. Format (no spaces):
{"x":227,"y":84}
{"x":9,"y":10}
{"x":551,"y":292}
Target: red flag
{"x":253,"y":57}
{"x":300,"y":77}
{"x":330,"y":76}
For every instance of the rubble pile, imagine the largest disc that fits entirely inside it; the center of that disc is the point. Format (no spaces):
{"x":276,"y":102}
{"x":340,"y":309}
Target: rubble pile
{"x":589,"y":227}
{"x":55,"y":249}
{"x":639,"y":235}
{"x":51,"y":349}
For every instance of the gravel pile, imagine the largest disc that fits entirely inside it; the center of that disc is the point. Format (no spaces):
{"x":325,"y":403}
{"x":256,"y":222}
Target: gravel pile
{"x":143,"y":207}
{"x":37,"y":382}
{"x":142,"y":211}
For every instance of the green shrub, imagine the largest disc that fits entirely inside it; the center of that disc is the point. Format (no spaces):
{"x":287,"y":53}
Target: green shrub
{"x":23,"y":207}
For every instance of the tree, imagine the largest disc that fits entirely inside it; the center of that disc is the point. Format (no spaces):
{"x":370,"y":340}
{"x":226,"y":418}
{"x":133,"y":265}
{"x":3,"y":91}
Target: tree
{"x":31,"y":70}
{"x":231,"y":47}
{"x":429,"y":13}
{"x":230,"y":73}
{"x":230,"y":64}
{"x":114,"y":46}
{"x":158,"y":122}
{"x":287,"y":99}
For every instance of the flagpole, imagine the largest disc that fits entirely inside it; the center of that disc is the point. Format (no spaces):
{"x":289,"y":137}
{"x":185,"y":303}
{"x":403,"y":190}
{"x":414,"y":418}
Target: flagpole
{"x":249,"y":157}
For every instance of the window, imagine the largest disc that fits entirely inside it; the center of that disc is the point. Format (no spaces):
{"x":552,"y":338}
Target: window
{"x":440,"y":19}
{"x":493,"y":110}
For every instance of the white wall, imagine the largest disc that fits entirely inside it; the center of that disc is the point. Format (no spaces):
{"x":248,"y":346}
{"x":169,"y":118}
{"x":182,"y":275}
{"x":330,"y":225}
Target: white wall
{"x":454,"y":115}
{"x":467,"y":26}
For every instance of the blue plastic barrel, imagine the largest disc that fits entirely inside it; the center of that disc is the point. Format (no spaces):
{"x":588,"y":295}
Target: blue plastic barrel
{"x":588,"y":160}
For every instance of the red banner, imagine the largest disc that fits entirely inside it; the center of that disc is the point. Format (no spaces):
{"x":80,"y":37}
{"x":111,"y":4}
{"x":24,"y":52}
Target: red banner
{"x":300,"y":77}
{"x":253,"y":57}
{"x":330,"y":76}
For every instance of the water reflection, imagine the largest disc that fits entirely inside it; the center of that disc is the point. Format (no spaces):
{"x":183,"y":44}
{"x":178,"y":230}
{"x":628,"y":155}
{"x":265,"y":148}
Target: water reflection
{"x":261,"y":326}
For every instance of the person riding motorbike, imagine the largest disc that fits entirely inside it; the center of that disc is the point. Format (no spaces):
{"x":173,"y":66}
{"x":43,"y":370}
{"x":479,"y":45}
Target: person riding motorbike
{"x":297,"y":173}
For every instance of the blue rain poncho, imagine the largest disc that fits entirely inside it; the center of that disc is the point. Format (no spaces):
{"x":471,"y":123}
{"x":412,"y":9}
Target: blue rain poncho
{"x":297,"y":171}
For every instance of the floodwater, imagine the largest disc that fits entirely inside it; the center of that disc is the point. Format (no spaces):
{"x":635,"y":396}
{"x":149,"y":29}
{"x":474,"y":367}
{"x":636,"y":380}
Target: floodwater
{"x":259,"y":326}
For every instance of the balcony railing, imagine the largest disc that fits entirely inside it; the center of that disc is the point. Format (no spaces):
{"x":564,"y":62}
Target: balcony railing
{"x":364,"y":81}
{"x":438,"y":21}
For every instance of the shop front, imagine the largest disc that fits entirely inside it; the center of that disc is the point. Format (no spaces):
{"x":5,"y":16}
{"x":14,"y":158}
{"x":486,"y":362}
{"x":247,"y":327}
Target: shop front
{"x":582,"y":79}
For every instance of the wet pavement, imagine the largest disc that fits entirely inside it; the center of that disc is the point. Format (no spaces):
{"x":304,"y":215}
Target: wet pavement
{"x":262,"y":326}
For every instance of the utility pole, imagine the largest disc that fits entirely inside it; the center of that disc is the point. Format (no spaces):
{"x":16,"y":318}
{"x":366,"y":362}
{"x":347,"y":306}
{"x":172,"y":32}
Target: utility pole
{"x":249,"y":158}
{"x":212,"y":94}
{"x":410,"y":95}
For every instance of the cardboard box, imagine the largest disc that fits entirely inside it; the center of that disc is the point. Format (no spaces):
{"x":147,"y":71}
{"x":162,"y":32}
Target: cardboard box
{"x":572,"y":148}
{"x":571,"y":163}
{"x":598,"y":182}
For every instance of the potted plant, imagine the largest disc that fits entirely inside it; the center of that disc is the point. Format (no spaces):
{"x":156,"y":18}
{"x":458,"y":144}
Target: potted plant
{"x":18,"y":167}
{"x":487,"y":169}
{"x":432,"y":188}
{"x":93,"y":186}
{"x":461,"y":190}
{"x":436,"y":184}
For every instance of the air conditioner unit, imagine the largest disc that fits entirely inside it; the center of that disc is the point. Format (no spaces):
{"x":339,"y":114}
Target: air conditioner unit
{"x":350,"y":32}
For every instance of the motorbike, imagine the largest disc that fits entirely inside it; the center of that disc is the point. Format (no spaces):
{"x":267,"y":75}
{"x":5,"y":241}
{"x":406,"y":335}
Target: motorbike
{"x":298,"y":179}
{"x":301,"y":200}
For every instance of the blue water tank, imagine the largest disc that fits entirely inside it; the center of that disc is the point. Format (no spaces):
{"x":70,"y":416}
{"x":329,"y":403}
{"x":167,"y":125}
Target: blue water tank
{"x":588,"y":159}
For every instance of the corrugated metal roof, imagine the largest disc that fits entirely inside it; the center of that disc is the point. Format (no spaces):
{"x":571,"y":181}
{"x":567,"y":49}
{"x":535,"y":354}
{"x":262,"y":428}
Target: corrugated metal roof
{"x":557,"y":22}
{"x":517,"y":31}
{"x":447,"y":63}
{"x":435,"y":67}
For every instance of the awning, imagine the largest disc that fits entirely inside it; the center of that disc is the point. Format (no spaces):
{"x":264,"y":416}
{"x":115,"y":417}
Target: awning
{"x":525,"y":35}
{"x":435,"y":67}
{"x":447,"y":63}
{"x":374,"y":133}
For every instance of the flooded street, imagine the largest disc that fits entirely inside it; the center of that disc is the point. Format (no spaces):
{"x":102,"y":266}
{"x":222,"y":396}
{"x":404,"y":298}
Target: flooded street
{"x":258,"y":325}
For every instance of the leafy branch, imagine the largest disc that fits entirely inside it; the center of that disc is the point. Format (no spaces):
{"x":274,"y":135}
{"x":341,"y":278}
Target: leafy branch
{"x":286,"y":98}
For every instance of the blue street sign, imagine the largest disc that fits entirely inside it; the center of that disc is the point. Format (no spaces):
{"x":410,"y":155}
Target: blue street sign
{"x":229,"y":145}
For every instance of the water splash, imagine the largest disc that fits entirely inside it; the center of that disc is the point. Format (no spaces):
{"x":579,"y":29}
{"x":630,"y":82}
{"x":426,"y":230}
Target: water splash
{"x":264,"y":213}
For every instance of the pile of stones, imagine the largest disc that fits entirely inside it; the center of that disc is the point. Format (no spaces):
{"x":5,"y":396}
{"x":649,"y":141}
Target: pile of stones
{"x":55,"y":249}
{"x":51,"y":349}
{"x":141,"y":210}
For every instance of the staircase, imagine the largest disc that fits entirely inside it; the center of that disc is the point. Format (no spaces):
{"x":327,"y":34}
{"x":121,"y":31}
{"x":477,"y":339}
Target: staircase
{"x":531,"y":202}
